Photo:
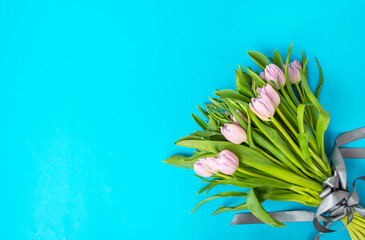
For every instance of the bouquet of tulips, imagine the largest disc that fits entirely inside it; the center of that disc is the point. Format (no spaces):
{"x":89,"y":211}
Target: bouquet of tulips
{"x":266,"y":137}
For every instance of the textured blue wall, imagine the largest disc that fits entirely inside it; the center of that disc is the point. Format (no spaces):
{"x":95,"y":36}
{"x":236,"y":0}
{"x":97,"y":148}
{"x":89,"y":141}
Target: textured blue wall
{"x":93,"y":95}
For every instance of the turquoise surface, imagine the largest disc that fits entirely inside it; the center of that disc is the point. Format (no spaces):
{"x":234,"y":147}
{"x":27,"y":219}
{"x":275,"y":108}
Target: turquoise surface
{"x":93,"y":95}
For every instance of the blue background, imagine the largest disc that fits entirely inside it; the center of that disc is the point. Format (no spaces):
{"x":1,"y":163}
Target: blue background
{"x":93,"y":95}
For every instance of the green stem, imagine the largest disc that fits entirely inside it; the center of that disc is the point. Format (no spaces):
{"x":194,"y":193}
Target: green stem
{"x":306,"y":192}
{"x":252,"y":174}
{"x":222,"y":175}
{"x":274,"y":160}
{"x":288,"y":99}
{"x":306,"y":200}
{"x":358,"y":217}
{"x":287,"y":123}
{"x":351,"y":232}
{"x":291,"y":128}
{"x":298,"y":189}
{"x":294,"y":146}
{"x":356,"y":231}
{"x":355,"y":228}
{"x":299,"y":92}
{"x":312,"y":153}
{"x":288,"y":138}
{"x":319,"y":161}
{"x":360,"y":229}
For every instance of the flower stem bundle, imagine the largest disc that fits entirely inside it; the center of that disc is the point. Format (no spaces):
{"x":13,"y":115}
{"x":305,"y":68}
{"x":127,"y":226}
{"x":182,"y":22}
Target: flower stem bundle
{"x":266,"y":137}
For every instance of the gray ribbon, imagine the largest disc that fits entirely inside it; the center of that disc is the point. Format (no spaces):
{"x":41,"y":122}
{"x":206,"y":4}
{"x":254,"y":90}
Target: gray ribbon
{"x":337,"y":201}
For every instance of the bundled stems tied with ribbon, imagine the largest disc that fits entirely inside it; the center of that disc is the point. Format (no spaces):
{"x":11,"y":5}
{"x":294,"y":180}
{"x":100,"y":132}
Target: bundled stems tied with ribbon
{"x":337,"y":202}
{"x":261,"y":137}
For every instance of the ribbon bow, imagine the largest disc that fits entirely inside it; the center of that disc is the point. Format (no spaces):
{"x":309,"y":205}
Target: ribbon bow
{"x":337,"y":201}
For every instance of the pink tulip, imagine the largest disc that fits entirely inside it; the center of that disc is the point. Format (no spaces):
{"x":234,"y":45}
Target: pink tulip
{"x":209,"y":163}
{"x":227,"y":162}
{"x":269,"y":91}
{"x":271,"y":74}
{"x":262,"y":75}
{"x":234,"y":119}
{"x":293,"y":72}
{"x":263,"y":107}
{"x":201,"y":170}
{"x":234,"y":133}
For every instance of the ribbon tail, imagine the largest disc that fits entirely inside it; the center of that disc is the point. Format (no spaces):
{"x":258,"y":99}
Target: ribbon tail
{"x":327,"y":225}
{"x":281,"y":216}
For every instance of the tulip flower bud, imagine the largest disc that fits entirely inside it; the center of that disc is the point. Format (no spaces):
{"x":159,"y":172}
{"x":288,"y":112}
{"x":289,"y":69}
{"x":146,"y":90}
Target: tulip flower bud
{"x":227,"y":162}
{"x":209,"y":164}
{"x":234,"y":119}
{"x":272,"y":72}
{"x":269,"y":91}
{"x":263,"y":107}
{"x":293,"y":72}
{"x":201,"y":170}
{"x":234,"y":133}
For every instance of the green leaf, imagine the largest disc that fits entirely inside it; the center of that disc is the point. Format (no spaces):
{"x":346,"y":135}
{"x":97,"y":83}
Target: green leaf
{"x":190,"y":137}
{"x":180,"y":161}
{"x":233,"y":112}
{"x":261,"y":182}
{"x":304,"y":63}
{"x":256,"y":78}
{"x":227,"y":93}
{"x":300,"y":117}
{"x":219,"y":137}
{"x":236,"y":208}
{"x":304,"y":145}
{"x":303,"y":138}
{"x":243,"y":77}
{"x":200,"y":122}
{"x":243,"y":81}
{"x":206,"y":133}
{"x":217,"y":112}
{"x":284,"y":102}
{"x":218,"y":119}
{"x":287,"y":82}
{"x":219,"y":195}
{"x":271,"y":148}
{"x":287,"y":98}
{"x":292,"y":120}
{"x":323,"y":117}
{"x":187,"y":162}
{"x":277,"y":141}
{"x":208,"y":187}
{"x":259,"y":59}
{"x":202,"y":111}
{"x":212,"y":126}
{"x":233,"y":182}
{"x":240,"y":207}
{"x":303,"y":128}
{"x":219,"y":104}
{"x":256,"y":209}
{"x":318,"y":90}
{"x":253,"y":158}
{"x":277,"y":60}
{"x":237,"y":104}
{"x":203,"y":154}
{"x":249,"y":130}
